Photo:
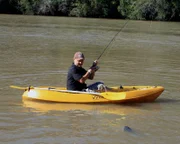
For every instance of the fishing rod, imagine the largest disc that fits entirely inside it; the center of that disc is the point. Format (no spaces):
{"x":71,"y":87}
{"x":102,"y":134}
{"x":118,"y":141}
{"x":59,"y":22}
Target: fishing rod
{"x":94,"y":63}
{"x":112,"y":39}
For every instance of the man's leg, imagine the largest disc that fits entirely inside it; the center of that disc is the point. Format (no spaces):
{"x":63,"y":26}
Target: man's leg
{"x":97,"y":86}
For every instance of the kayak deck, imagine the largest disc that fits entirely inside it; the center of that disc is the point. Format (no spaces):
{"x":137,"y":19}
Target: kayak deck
{"x":125,"y":94}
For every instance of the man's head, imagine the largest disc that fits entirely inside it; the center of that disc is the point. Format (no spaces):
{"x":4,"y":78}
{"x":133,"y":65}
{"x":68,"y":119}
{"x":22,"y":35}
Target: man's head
{"x":79,"y":59}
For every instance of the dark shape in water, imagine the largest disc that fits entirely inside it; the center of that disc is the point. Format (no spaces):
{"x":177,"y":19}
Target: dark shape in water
{"x":132,"y":132}
{"x":127,"y":129}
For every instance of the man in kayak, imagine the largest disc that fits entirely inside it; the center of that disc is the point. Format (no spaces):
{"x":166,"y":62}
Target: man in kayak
{"x":77,"y":75}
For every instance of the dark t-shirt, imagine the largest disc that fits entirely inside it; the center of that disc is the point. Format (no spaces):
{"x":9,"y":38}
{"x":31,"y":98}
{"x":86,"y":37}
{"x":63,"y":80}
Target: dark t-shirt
{"x":75,"y":73}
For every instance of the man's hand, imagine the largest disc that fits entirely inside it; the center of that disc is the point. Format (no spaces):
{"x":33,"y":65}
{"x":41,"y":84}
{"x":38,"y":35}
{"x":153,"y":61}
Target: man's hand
{"x":94,"y":66}
{"x":94,"y":63}
{"x":91,"y":70}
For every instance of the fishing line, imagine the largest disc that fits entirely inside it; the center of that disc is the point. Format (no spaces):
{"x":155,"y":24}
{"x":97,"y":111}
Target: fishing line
{"x":113,"y":39}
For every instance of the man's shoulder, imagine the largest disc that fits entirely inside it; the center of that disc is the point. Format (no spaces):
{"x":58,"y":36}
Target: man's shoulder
{"x":75,"y":69}
{"x":72,"y":69}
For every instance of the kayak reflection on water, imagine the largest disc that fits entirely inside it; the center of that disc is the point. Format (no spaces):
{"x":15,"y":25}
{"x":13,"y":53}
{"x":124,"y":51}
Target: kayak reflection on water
{"x":123,"y":110}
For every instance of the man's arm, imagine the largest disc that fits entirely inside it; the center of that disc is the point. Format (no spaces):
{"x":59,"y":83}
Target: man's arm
{"x":86,"y":76}
{"x":90,"y":73}
{"x":91,"y":76}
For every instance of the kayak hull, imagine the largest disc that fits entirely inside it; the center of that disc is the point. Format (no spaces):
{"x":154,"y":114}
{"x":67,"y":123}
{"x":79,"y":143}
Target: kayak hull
{"x":127,"y":94}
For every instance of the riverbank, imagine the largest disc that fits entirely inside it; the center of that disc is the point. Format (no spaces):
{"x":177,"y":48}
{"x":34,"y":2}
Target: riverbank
{"x":161,"y":10}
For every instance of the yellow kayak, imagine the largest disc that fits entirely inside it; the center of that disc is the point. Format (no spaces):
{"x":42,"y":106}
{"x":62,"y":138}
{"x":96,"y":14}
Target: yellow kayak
{"x":125,"y":94}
